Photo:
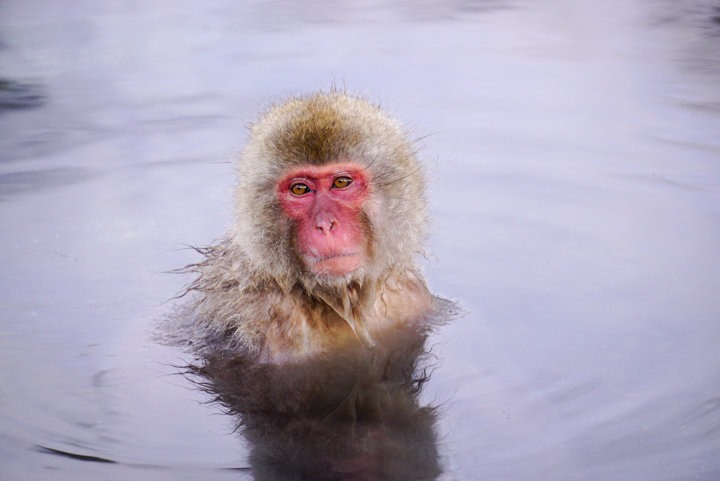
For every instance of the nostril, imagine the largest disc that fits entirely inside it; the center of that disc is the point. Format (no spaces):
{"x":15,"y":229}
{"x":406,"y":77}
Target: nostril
{"x":325,"y":225}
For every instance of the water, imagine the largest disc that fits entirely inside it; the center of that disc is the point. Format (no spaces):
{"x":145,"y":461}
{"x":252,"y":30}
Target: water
{"x":574,"y":155}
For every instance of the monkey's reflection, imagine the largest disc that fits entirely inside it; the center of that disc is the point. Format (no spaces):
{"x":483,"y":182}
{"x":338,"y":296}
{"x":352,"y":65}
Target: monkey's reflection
{"x":348,"y":415}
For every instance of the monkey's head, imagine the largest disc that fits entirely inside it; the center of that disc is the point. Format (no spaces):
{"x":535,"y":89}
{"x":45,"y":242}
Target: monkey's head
{"x":330,"y":192}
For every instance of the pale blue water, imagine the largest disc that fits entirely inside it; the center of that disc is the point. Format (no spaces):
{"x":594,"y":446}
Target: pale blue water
{"x":574,"y":155}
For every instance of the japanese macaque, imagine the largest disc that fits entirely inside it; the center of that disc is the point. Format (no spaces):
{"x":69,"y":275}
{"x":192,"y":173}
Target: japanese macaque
{"x":329,"y":217}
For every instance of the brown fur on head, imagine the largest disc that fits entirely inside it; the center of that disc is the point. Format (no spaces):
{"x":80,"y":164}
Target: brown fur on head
{"x":319,"y":129}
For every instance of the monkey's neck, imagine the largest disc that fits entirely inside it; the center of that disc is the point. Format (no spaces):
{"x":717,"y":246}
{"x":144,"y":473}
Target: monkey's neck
{"x":352,"y":302}
{"x":305,"y":322}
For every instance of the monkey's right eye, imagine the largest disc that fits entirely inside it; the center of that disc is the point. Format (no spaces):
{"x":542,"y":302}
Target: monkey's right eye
{"x":299,"y":189}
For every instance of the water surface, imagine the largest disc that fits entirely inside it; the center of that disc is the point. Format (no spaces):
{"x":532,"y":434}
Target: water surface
{"x":574,"y":158}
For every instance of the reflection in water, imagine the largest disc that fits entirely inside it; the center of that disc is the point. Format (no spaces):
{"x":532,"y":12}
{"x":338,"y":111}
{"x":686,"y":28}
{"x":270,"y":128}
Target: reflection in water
{"x":18,"y":95}
{"x":352,"y":414}
{"x":34,"y":180}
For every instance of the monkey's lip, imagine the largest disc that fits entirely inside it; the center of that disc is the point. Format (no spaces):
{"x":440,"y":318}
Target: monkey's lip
{"x":336,"y":264}
{"x":334,"y":256}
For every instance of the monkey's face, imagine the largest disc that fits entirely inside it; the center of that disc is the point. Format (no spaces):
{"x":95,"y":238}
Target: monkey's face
{"x":325,"y":203}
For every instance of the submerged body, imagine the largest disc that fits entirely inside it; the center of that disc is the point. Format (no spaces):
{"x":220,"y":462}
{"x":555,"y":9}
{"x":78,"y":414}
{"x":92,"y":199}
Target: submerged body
{"x":330,"y":214}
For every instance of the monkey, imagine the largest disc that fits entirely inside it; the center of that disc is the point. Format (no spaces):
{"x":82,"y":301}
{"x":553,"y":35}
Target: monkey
{"x":330,"y":216}
{"x":309,"y":318}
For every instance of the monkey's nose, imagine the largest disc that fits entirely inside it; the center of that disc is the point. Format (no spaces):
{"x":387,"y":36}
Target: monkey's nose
{"x":325,"y":225}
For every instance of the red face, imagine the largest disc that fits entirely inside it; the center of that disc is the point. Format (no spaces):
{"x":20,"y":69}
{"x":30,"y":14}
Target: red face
{"x":324,"y":201}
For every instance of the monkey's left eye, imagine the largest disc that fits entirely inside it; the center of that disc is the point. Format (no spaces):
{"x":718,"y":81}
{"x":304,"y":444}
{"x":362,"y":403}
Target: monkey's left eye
{"x":341,"y":182}
{"x":299,"y":189}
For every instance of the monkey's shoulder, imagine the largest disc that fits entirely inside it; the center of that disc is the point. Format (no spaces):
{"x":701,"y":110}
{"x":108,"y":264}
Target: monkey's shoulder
{"x":238,"y":308}
{"x":404,"y":298}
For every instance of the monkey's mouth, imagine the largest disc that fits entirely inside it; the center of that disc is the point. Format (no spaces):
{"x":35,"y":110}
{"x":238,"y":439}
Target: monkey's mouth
{"x":335,"y":264}
{"x":335,"y":256}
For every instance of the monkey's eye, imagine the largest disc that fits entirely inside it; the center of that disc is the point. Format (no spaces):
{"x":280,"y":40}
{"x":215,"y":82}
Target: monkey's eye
{"x":341,"y":182}
{"x":299,"y":189}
